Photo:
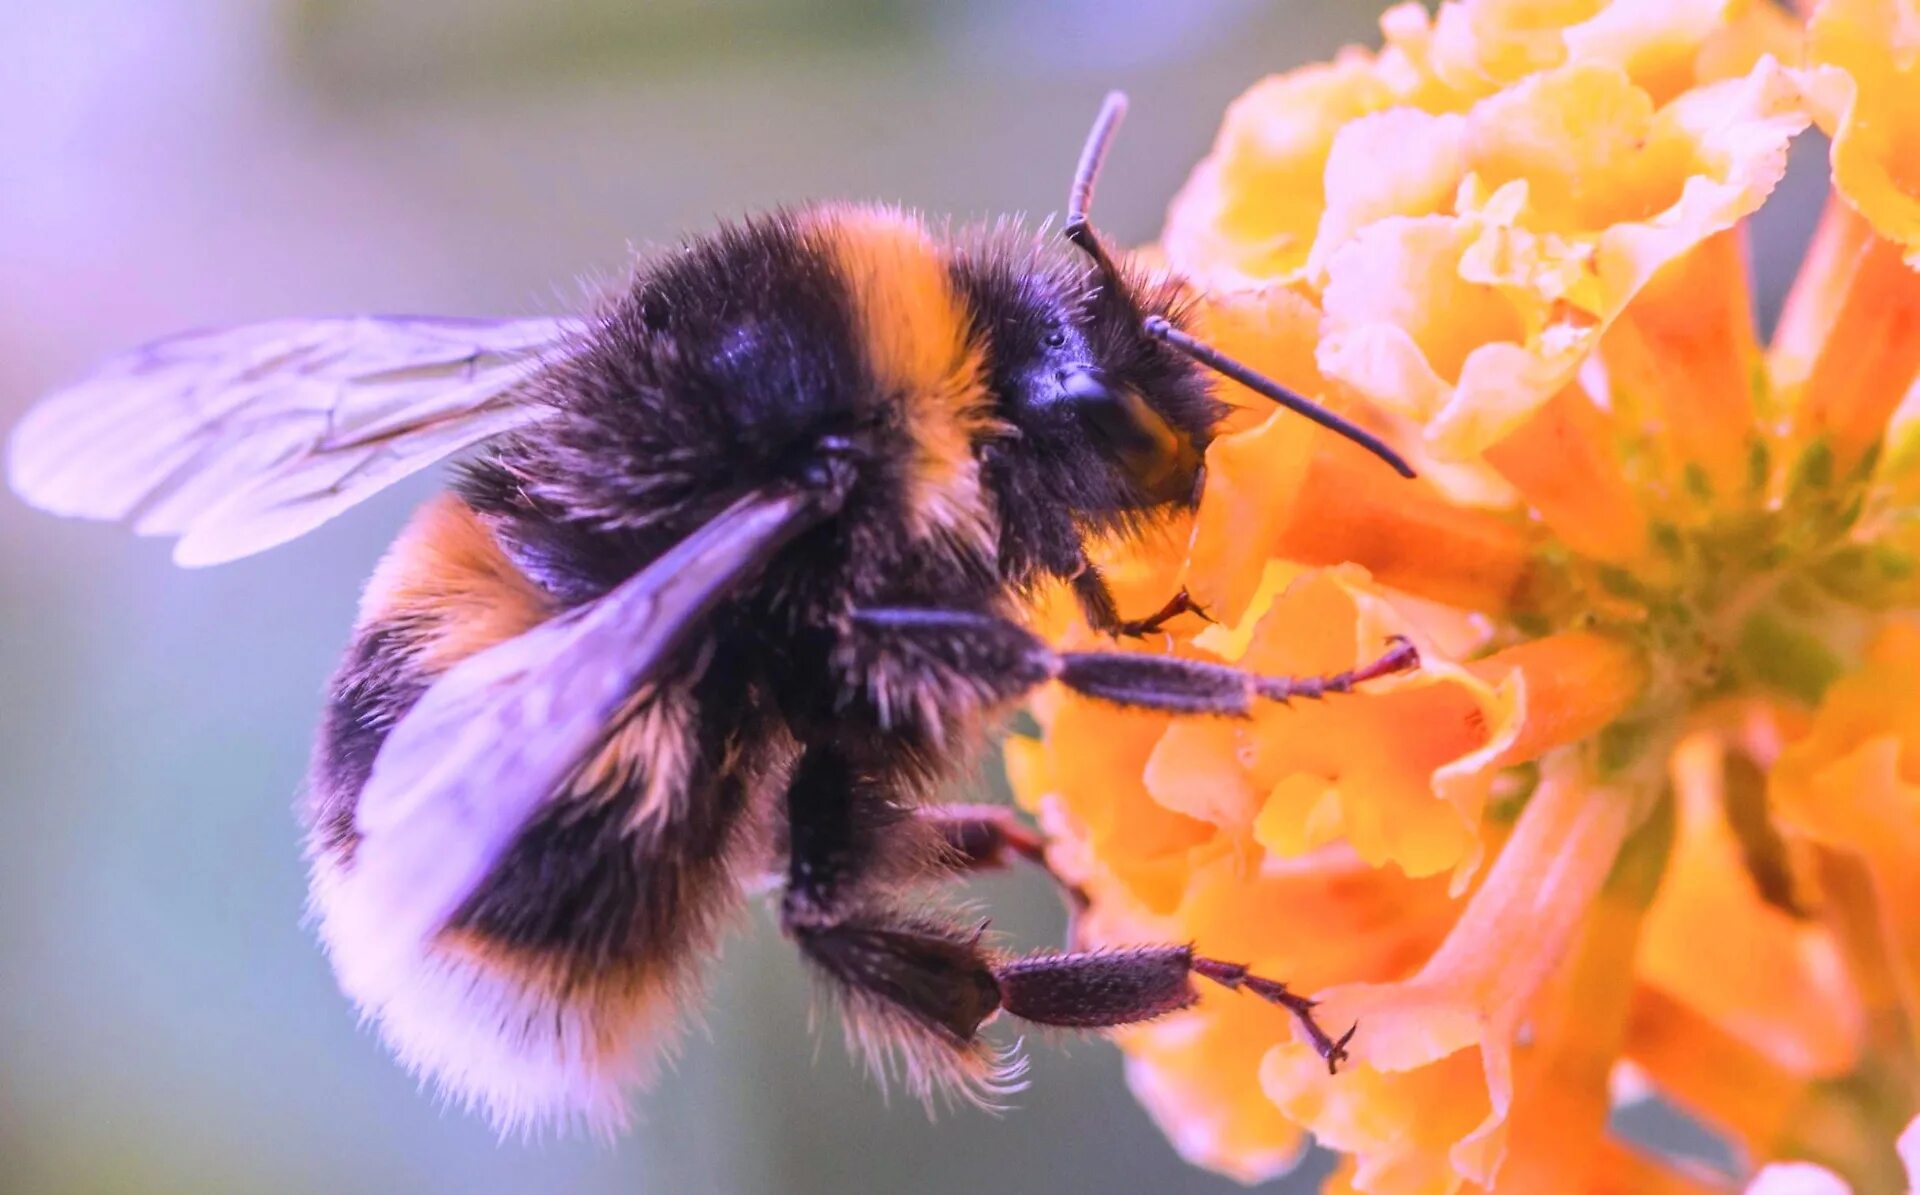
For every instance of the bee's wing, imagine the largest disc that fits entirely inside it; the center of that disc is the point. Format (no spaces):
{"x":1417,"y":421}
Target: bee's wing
{"x":239,"y":439}
{"x":497,"y":735}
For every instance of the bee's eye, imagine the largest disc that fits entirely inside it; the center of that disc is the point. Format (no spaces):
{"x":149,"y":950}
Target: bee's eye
{"x":1056,"y":338}
{"x":1159,"y":458}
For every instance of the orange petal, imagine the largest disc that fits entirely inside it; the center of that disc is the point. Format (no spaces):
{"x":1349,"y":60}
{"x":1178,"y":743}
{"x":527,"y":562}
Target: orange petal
{"x":1273,"y":329}
{"x":1683,"y":357}
{"x":1864,"y":58}
{"x":1576,"y":682}
{"x":1088,"y":769}
{"x":1260,"y":504}
{"x":1248,"y":213}
{"x":1860,"y":304}
{"x":1713,"y":1074}
{"x":1371,"y":768}
{"x":1777,"y":982}
{"x":1853,"y":782}
{"x":1562,"y":459}
{"x":1402,"y":770}
{"x":1818,"y":292}
{"x":1195,"y":1075}
{"x":1620,"y":1170}
{"x":1308,"y":923}
{"x":1561,"y":1080}
{"x":1424,"y":1102}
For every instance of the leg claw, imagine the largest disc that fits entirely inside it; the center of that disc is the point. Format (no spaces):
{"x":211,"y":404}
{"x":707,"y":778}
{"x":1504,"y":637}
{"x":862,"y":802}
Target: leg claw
{"x":1180,"y":603}
{"x":1235,"y":976}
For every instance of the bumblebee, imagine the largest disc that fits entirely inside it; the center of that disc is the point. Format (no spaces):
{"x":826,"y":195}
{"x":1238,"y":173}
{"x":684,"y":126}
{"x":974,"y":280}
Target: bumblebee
{"x":735,"y":579}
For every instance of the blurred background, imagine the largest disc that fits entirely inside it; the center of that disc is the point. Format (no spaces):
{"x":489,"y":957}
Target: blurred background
{"x":166,"y":1022}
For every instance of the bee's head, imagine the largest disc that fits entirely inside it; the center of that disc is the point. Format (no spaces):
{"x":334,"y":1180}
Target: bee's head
{"x":1109,"y":399}
{"x":1105,"y":419}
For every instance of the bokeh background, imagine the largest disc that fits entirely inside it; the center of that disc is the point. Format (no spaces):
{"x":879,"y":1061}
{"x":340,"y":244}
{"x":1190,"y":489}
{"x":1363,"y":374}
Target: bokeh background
{"x":166,"y":1022}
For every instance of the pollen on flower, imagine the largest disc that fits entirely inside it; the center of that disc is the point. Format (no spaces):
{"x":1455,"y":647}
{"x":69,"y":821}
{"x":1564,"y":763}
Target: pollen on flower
{"x":1649,"y":812}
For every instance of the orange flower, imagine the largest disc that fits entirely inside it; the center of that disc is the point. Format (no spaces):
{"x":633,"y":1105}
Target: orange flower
{"x":1649,"y":813}
{"x":1805,"y":1178}
{"x":1864,"y":60}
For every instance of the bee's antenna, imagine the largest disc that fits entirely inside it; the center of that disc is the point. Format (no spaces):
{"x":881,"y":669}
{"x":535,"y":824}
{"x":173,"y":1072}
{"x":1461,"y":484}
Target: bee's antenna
{"x":1159,"y":329}
{"x":1080,"y":198}
{"x":1079,"y":230}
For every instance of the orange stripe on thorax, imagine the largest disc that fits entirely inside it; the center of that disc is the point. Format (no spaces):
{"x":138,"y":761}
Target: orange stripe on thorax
{"x":915,"y":331}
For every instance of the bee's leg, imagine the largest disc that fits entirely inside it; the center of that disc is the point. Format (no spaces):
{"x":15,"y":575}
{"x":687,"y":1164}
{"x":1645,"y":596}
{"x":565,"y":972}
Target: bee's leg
{"x":1180,"y":603}
{"x":969,"y":652}
{"x":921,"y":990}
{"x":850,"y":839}
{"x":917,"y":988}
{"x":990,"y":837}
{"x":1103,"y":989}
{"x":1096,"y":602}
{"x":1184,"y":686}
{"x":1097,"y":607}
{"x":913,"y":987}
{"x":984,"y":837}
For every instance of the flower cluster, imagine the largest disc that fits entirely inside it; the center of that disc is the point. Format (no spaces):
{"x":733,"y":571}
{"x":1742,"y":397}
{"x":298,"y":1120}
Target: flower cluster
{"x":1648,"y":817}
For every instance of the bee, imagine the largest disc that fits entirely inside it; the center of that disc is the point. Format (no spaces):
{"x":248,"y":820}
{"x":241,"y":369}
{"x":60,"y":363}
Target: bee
{"x":734,"y":579}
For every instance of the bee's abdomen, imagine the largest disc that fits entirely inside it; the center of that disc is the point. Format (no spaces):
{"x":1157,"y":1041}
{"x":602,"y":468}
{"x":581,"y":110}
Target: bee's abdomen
{"x":536,"y":999}
{"x":444,"y":591}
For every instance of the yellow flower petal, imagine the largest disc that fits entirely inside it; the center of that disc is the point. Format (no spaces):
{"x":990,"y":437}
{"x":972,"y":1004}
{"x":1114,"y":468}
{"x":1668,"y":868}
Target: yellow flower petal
{"x":1564,"y":461}
{"x":1429,"y":156}
{"x":1406,"y":328}
{"x":1848,"y":346}
{"x":1577,"y":192}
{"x":1865,"y":71}
{"x":1682,"y":360}
{"x":1853,"y":782}
{"x":1481,"y":45}
{"x":1425,"y":1100}
{"x":1773,"y":980}
{"x":1249,"y":212}
{"x":1198,"y":1071}
{"x":1401,"y":772}
{"x":1719,"y":1078}
{"x":1658,"y":43}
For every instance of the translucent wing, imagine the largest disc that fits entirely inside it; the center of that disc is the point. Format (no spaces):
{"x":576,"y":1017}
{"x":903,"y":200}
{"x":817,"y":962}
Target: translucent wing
{"x":499,"y":733}
{"x":239,"y":439}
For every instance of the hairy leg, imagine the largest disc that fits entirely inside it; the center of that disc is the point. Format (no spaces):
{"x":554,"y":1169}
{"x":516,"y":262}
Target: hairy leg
{"x":941,"y":651}
{"x":915,"y":987}
{"x":1096,"y":606}
{"x":991,"y":837}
